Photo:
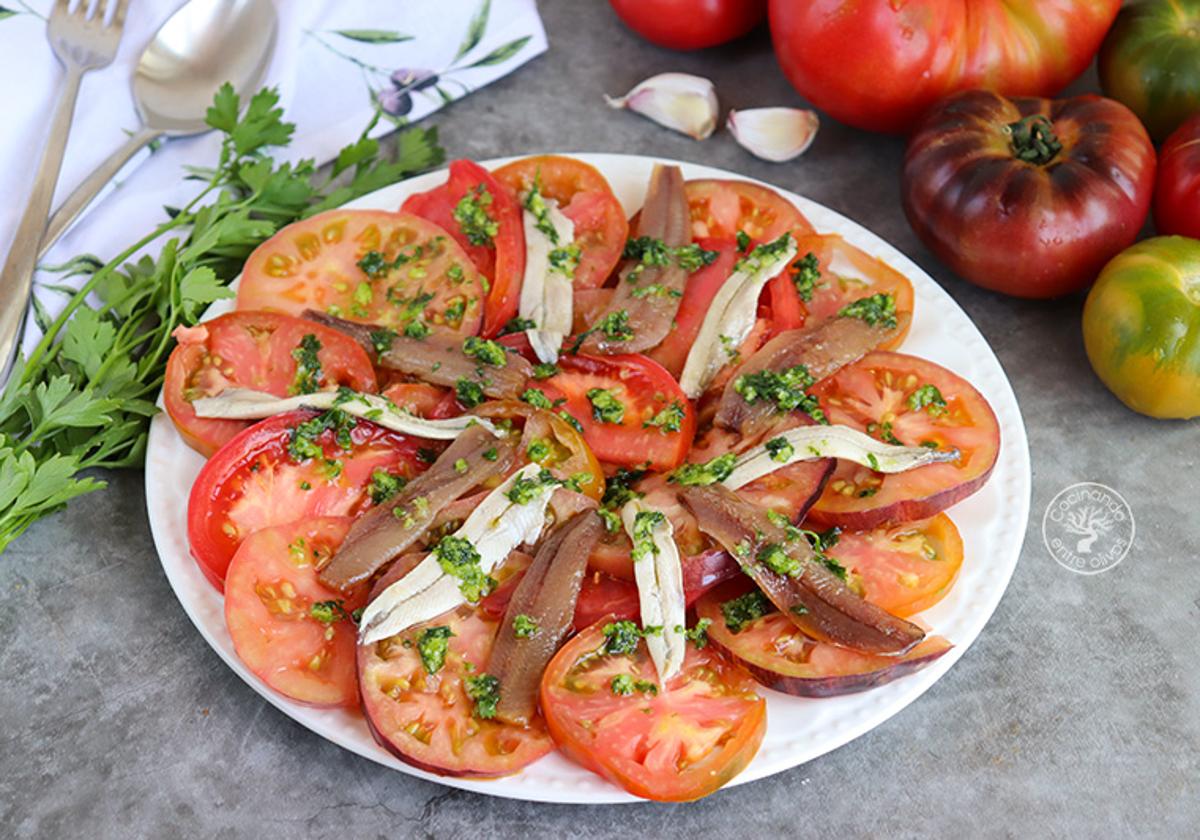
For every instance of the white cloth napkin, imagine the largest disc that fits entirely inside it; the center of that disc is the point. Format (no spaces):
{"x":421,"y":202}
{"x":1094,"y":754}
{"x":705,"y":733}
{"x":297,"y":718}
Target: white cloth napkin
{"x":333,"y":61}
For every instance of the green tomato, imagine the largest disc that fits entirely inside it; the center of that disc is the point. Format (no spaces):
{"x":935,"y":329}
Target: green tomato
{"x":1141,"y":327}
{"x":1150,"y":61}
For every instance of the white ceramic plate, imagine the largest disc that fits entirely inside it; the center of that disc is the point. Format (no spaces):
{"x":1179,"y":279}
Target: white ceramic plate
{"x":992,"y":523}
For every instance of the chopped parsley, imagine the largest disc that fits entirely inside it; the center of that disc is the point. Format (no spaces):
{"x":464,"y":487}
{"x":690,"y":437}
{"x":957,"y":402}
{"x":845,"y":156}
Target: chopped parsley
{"x":615,"y":326}
{"x":624,"y":685}
{"x":652,"y":252}
{"x":669,"y":419}
{"x":698,"y":635}
{"x":303,"y":444}
{"x":785,"y":389}
{"x":538,"y":450}
{"x":460,"y":559}
{"x":565,"y":260}
{"x":884,"y":430}
{"x":764,"y":255}
{"x":709,"y":472}
{"x":606,"y":407}
{"x":524,"y":627}
{"x":485,"y":691}
{"x":416,"y":328}
{"x":328,"y":612}
{"x":928,"y":397}
{"x":780,"y":449}
{"x":518,"y":324}
{"x":471,"y":213}
{"x":618,"y":491}
{"x":525,"y":489}
{"x":621,"y":637}
{"x":545,"y":370}
{"x":485,"y":350}
{"x":743,"y":241}
{"x":432,"y":645}
{"x":878,"y":309}
{"x":469,"y":392}
{"x":805,"y":275}
{"x":537,"y":398}
{"x":656,"y":290}
{"x":491,"y":454}
{"x":775,"y":557}
{"x":381,"y":339}
{"x":742,"y":611}
{"x":308,"y":366}
{"x":461,"y":466}
{"x":454,"y":311}
{"x":644,"y":524}
{"x":384,"y":485}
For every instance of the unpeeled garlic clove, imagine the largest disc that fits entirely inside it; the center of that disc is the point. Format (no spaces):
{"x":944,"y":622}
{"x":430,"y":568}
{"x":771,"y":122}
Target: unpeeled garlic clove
{"x":774,"y":134}
{"x":679,"y":101}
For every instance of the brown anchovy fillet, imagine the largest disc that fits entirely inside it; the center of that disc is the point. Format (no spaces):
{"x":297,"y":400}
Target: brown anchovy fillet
{"x":824,"y":350}
{"x":816,"y":600}
{"x":664,"y":216}
{"x":391,"y":528}
{"x":438,"y":359}
{"x":547,"y":594}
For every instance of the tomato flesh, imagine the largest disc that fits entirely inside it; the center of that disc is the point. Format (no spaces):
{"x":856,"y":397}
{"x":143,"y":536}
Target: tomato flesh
{"x":676,"y":745}
{"x":873,"y":395}
{"x":254,"y":350}
{"x":270,"y":593}
{"x":253,"y":483}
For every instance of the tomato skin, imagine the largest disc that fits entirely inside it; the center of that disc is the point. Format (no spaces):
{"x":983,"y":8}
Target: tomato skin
{"x":1024,"y":229}
{"x":585,"y":197}
{"x":255,"y":349}
{"x":1141,"y":327}
{"x":642,"y":751}
{"x":1177,"y":194}
{"x":690,"y":24}
{"x":274,"y":632}
{"x":1149,"y":62}
{"x":251,"y":483}
{"x":502,"y":263}
{"x":880,"y":64}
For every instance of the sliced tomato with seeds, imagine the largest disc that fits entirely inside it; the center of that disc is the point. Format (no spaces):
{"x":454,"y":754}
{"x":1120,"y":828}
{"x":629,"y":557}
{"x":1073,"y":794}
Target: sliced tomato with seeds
{"x":418,"y":275}
{"x":779,"y":656}
{"x":257,"y":350}
{"x":848,"y":274}
{"x":253,"y":482}
{"x":427,"y":719}
{"x":498,"y":255}
{"x":636,"y":413}
{"x":585,"y":198}
{"x":671,"y":743}
{"x":903,"y":568}
{"x":296,"y":635}
{"x":891,"y":397}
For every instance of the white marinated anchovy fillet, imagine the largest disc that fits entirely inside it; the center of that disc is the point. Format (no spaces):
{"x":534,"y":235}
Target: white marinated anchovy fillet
{"x":546,"y":293}
{"x":659,"y":579}
{"x":246,"y":404}
{"x":811,"y":442}
{"x":729,"y":320}
{"x":495,"y":528}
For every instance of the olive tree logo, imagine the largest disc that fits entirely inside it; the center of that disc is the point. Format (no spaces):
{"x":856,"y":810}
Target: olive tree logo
{"x":1088,"y":528}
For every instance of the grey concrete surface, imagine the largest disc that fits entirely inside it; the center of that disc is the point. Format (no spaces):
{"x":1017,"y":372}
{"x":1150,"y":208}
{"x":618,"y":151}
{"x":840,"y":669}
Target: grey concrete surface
{"x":1076,"y":714}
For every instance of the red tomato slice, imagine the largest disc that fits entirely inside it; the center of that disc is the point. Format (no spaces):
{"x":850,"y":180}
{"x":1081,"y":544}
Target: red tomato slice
{"x":873,"y":395}
{"x":702,"y":286}
{"x":270,"y":592}
{"x":253,"y":483}
{"x":251,"y":350}
{"x":680,"y":743}
{"x":903,"y":568}
{"x":586,"y":199}
{"x":643,"y":388}
{"x":420,"y":398}
{"x":847,"y":275}
{"x":603,"y":595}
{"x":502,"y":260}
{"x":427,"y":720}
{"x":314,"y":264}
{"x":781,"y":657}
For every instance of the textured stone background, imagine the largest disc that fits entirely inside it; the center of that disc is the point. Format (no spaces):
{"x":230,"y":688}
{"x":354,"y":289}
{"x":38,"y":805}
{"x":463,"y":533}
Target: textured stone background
{"x":1076,"y":714}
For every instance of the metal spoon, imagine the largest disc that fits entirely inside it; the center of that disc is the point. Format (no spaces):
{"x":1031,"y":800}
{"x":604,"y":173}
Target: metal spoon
{"x":201,"y":46}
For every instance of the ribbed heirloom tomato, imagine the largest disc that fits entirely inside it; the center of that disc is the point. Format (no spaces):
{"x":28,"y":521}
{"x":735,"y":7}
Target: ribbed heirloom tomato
{"x":1177,"y":193}
{"x":880,"y":64}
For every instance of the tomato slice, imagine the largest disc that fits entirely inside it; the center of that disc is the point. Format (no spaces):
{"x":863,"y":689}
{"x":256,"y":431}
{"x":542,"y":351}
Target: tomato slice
{"x":427,"y":720}
{"x":252,"y":350}
{"x":270,"y":593}
{"x":702,"y":286}
{"x":903,"y":568}
{"x":680,"y":743}
{"x":639,"y":391}
{"x":500,"y":258}
{"x":586,"y":199}
{"x":877,"y":394}
{"x":422,"y":399}
{"x":253,"y":483}
{"x":314,"y":264}
{"x":781,"y":657}
{"x":847,"y":275}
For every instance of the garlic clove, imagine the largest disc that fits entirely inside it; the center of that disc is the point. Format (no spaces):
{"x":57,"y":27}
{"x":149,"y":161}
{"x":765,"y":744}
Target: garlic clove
{"x":682,"y":102}
{"x":774,"y":134}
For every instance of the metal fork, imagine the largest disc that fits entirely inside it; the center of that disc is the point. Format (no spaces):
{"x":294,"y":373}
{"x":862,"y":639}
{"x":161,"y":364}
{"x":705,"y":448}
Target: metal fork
{"x":82,"y":40}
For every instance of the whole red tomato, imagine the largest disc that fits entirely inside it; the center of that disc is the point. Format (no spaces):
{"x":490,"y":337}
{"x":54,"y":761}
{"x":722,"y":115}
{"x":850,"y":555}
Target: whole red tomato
{"x":880,"y":64}
{"x":1030,"y":197}
{"x":690,"y":24}
{"x":1177,"y":194}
